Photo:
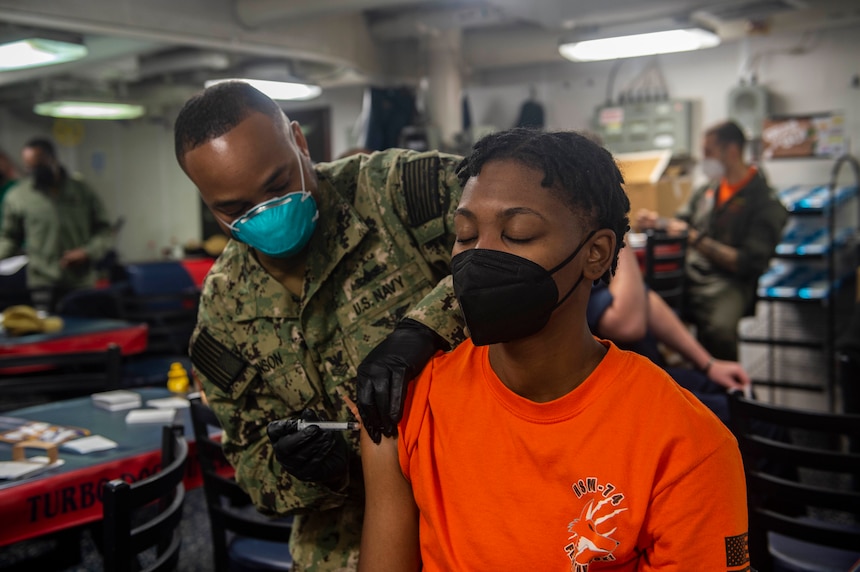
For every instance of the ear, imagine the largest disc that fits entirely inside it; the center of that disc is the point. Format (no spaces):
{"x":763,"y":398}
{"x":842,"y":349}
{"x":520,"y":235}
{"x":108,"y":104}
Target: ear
{"x":299,"y":136}
{"x":599,"y":253}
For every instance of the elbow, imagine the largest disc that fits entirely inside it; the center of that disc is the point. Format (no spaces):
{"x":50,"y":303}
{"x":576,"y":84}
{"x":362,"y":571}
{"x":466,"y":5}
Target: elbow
{"x":632,"y":332}
{"x":623,"y":329}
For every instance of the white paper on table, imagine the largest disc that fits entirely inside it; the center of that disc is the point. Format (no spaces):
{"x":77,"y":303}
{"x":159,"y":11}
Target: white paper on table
{"x":32,"y":466}
{"x":169,"y":403}
{"x":116,"y":400}
{"x":89,"y":444}
{"x":150,"y":416}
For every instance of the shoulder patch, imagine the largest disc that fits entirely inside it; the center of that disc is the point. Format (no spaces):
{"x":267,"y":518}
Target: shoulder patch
{"x":421,"y":189}
{"x":215,"y":361}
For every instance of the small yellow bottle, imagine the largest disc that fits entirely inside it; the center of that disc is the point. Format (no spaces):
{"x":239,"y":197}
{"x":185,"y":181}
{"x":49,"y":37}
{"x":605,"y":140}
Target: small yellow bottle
{"x":177,"y":378}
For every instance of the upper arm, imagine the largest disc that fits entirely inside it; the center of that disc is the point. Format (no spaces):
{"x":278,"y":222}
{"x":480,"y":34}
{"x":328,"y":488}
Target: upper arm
{"x":98,"y":212}
{"x":430,"y":195}
{"x":701,"y":519}
{"x":389,"y":539}
{"x":761,"y":239}
{"x":625,"y":320}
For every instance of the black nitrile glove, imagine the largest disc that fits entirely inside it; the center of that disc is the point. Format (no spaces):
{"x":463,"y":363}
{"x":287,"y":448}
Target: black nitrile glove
{"x":310,"y":454}
{"x":385,"y":372}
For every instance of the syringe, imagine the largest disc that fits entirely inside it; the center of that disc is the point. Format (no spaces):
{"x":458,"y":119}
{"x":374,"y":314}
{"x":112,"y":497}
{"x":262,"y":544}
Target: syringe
{"x":329,"y":425}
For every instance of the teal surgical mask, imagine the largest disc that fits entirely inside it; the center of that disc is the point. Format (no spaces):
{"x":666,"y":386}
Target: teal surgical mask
{"x":279,"y":227}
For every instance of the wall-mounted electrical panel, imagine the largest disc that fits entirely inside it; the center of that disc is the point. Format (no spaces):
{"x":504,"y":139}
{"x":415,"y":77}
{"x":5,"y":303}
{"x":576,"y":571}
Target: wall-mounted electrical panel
{"x":749,"y":106}
{"x":646,"y":125}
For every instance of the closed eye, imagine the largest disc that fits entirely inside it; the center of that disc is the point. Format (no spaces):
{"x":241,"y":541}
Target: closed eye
{"x":237,"y":211}
{"x":278,"y":191}
{"x":243,"y":207}
{"x":517,"y":240}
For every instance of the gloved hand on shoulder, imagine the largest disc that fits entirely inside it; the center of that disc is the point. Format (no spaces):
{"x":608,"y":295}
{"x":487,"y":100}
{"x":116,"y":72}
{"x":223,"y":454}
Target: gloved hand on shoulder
{"x":384,"y":374}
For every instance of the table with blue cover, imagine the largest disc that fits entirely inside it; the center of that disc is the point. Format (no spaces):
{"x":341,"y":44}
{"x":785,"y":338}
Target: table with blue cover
{"x":70,"y":495}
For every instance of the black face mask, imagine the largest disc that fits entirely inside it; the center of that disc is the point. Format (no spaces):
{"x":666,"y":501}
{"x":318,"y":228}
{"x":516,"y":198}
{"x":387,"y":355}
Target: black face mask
{"x":44,"y":177}
{"x":505,"y":297}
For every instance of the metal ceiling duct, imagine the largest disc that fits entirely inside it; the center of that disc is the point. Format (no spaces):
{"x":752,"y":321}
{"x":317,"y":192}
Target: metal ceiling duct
{"x":257,"y":13}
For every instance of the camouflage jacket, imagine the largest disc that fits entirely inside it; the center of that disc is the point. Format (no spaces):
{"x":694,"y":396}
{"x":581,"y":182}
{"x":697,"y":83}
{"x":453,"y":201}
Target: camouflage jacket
{"x":381,"y":252}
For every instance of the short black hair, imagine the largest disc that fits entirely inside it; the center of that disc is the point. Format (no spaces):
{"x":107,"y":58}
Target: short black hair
{"x":46,"y":146}
{"x":217,"y":110}
{"x":581,"y":173}
{"x":728,"y":133}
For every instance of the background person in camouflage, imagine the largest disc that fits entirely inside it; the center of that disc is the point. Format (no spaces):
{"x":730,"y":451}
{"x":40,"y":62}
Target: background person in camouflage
{"x":283,"y":334}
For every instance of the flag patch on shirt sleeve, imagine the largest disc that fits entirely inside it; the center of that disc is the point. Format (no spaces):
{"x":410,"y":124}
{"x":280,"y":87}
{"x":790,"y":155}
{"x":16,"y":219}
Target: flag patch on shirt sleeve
{"x":421,"y":189}
{"x":737,"y":550}
{"x":215,"y":361}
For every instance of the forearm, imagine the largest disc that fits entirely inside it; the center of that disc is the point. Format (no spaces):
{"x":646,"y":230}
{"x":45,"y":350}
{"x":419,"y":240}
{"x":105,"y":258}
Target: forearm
{"x":625,"y":321}
{"x":723,"y":255}
{"x":248,"y":449}
{"x":11,"y":235}
{"x":440,"y":312}
{"x":271,"y":488}
{"x":99,"y":244}
{"x":671,"y":331}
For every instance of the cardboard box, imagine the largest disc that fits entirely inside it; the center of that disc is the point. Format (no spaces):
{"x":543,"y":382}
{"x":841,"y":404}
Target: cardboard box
{"x":652,"y":183}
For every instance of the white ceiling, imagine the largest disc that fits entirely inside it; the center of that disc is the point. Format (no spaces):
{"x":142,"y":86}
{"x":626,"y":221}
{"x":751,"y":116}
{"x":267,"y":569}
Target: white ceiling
{"x":162,"y":50}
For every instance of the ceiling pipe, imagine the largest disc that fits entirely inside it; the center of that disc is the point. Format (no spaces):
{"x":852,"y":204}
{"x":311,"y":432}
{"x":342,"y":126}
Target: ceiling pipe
{"x":222,"y":43}
{"x":182,"y":62}
{"x":256,"y":13}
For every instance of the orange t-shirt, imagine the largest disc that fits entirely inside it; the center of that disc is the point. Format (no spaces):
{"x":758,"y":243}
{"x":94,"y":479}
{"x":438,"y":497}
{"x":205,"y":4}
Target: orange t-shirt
{"x":727,"y":191}
{"x":627,"y":472}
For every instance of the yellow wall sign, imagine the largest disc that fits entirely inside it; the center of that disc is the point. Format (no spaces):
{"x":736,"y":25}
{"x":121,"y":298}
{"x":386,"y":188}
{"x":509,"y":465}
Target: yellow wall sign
{"x":68,"y":132}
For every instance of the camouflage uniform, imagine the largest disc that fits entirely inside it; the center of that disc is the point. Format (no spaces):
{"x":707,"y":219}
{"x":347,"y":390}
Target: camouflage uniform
{"x":382,"y":245}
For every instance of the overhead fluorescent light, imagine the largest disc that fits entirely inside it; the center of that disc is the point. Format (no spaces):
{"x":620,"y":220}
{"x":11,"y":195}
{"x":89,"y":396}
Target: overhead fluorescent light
{"x":35,"y":52}
{"x":278,"y":90}
{"x":633,"y":45}
{"x":89,"y":110}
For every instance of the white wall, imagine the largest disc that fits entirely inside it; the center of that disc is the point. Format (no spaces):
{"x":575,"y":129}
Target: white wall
{"x":132,"y":165}
{"x":817,"y":81}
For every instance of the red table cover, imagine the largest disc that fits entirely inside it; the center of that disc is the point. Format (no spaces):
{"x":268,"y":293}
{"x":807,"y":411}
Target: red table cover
{"x":79,"y":335}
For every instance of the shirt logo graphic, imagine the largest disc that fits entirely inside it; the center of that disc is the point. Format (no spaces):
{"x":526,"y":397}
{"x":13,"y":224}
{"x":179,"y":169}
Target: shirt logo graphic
{"x":589,"y":542}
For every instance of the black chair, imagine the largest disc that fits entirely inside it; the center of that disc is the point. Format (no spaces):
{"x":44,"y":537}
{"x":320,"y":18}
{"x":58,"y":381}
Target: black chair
{"x":32,"y":379}
{"x":171,"y":318}
{"x":145,"y":516}
{"x":242,"y":538}
{"x":91,"y":303}
{"x":163,"y":295}
{"x":13,"y":288}
{"x":664,"y":266}
{"x":811,"y":519}
{"x":160,"y":294}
